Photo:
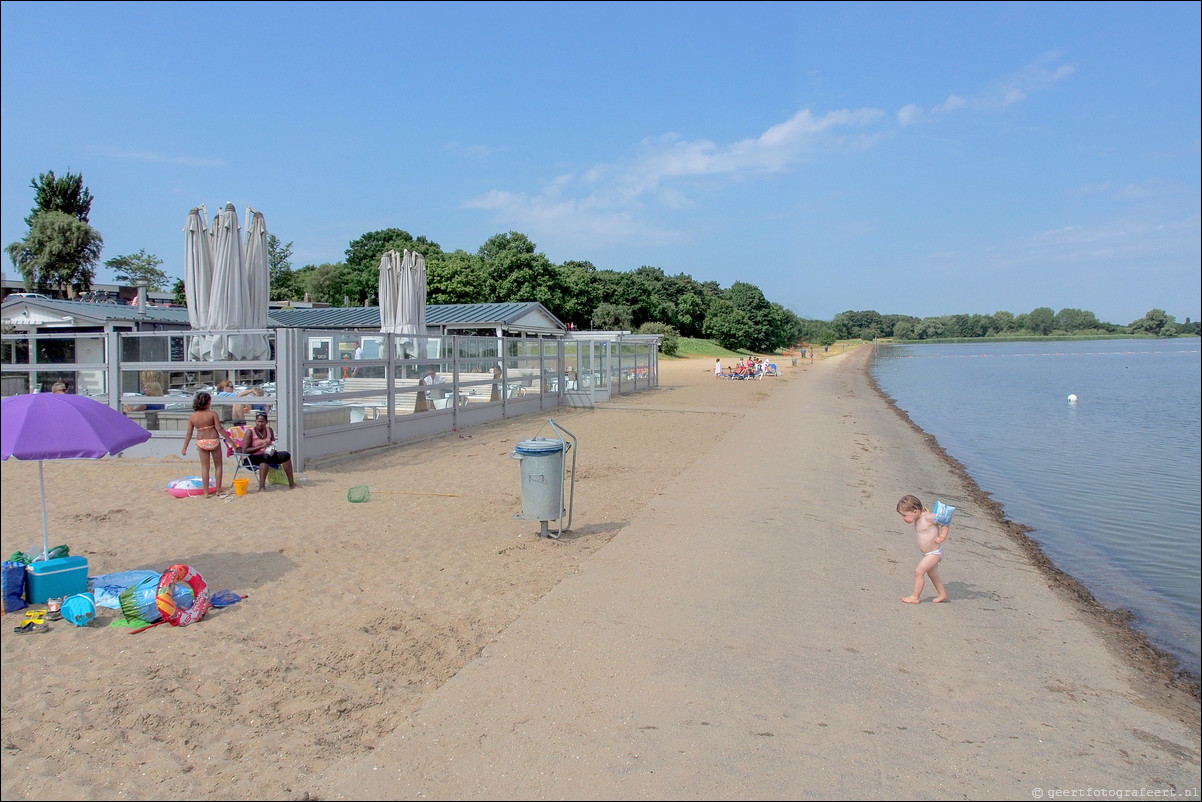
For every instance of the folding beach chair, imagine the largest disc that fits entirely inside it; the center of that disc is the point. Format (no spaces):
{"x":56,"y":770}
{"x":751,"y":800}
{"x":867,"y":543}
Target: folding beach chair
{"x":241,"y":458}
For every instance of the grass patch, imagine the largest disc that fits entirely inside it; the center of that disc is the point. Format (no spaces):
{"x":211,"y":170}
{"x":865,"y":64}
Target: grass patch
{"x":689,"y":347}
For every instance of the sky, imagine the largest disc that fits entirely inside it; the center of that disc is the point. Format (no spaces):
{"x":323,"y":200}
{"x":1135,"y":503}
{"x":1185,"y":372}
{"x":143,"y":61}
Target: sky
{"x":910,"y":158}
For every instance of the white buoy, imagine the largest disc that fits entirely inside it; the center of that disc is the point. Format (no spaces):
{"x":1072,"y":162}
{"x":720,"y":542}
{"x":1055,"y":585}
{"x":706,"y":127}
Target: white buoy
{"x":1072,"y":398}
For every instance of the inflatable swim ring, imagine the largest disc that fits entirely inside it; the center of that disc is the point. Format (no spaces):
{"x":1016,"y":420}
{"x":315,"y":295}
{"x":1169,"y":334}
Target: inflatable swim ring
{"x":190,"y":486}
{"x":174,"y":614}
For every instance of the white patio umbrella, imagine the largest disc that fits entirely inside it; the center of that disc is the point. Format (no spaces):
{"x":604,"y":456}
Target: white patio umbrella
{"x":258,"y":278}
{"x":389,"y":291}
{"x":198,"y":278}
{"x":198,"y":266}
{"x":411,"y":303}
{"x":227,"y":285}
{"x":229,"y":280}
{"x":403,"y":293}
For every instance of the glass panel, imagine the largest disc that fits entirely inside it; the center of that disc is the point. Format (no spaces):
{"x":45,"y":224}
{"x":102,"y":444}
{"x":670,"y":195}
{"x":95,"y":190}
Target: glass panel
{"x":16,"y":351}
{"x":523,"y":368}
{"x":55,"y":351}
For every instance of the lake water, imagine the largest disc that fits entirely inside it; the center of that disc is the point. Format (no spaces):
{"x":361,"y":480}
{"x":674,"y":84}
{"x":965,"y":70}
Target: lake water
{"x":1109,"y":484}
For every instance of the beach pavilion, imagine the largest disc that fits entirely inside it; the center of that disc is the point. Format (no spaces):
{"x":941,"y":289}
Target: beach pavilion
{"x":321,"y":404}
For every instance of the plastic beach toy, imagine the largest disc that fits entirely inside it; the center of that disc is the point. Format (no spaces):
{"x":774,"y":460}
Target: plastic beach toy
{"x":79,"y":609}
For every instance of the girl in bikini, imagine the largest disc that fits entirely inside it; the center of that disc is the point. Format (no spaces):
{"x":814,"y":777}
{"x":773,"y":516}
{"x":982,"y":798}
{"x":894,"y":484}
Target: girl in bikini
{"x":209,"y":435}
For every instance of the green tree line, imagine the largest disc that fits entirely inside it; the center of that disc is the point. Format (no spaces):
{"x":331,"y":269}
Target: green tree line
{"x":509,"y":268}
{"x":61,"y":251}
{"x":1040,"y":322}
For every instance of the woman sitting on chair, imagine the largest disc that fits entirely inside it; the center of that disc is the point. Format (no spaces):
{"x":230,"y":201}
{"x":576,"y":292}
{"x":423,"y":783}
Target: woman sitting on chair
{"x":259,"y":446}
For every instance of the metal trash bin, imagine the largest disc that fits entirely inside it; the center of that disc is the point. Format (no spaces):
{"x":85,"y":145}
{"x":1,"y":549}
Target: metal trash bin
{"x":543,"y":475}
{"x":542,"y":478}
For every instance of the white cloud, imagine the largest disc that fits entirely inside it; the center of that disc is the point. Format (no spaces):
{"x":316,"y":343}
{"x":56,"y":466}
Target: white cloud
{"x":952,"y":103}
{"x":470,"y":151}
{"x":617,"y":199}
{"x":665,"y":174}
{"x":909,"y":114}
{"x":1035,"y":77}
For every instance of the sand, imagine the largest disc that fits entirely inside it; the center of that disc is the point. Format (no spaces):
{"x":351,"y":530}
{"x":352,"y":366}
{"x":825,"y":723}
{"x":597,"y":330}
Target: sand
{"x":723,"y":619}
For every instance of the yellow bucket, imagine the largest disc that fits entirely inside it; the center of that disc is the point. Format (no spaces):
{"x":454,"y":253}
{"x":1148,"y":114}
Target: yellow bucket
{"x":240,"y":486}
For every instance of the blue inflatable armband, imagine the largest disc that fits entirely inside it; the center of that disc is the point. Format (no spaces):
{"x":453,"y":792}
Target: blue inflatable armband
{"x":943,"y":513}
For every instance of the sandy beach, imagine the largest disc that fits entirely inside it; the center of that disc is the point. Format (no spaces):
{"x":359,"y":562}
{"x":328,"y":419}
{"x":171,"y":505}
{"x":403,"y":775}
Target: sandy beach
{"x":723,"y":620}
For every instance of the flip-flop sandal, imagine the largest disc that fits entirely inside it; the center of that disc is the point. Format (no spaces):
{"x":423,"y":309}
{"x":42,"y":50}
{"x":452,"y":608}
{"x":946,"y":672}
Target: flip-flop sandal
{"x":31,"y":626}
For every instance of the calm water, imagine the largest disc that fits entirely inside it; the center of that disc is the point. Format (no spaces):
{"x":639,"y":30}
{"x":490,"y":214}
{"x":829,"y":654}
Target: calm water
{"x":1110,"y":484}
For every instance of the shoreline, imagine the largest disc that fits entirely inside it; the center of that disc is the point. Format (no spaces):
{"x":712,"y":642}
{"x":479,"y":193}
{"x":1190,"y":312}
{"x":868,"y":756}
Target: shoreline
{"x":1158,"y":663}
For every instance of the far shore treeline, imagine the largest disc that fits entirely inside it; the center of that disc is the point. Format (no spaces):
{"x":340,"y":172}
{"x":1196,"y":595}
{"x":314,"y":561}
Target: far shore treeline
{"x":61,"y":251}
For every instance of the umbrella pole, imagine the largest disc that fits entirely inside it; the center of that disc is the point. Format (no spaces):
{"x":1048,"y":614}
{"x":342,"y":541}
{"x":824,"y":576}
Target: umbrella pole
{"x":45,"y":538}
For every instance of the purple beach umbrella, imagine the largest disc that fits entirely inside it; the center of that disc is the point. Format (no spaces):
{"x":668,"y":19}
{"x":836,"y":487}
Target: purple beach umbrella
{"x":45,"y":426}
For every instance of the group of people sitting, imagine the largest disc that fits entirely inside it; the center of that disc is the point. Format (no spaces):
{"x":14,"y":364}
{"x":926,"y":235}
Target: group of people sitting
{"x":750,"y":368}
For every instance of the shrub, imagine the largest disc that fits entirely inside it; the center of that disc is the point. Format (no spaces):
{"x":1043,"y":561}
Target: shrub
{"x":671,"y":337}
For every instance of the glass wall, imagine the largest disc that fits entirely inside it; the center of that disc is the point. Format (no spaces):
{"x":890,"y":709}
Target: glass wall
{"x":328,"y":392}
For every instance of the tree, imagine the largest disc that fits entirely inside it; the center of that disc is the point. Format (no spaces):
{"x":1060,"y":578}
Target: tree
{"x":1072,"y":320}
{"x":813,"y":331}
{"x":582,"y":293}
{"x":1041,"y":320}
{"x":517,"y":273}
{"x":140,"y":266}
{"x":455,"y":278}
{"x":790,"y":326}
{"x":279,"y":271}
{"x":611,"y":317}
{"x":1156,"y":322}
{"x":851,"y":324}
{"x":690,"y":314}
{"x":1003,"y":322}
{"x":728,"y":325}
{"x":324,"y":283}
{"x":764,"y":331}
{"x":930,"y":328}
{"x":361,"y":276}
{"x":60,"y":251}
{"x":67,"y":195}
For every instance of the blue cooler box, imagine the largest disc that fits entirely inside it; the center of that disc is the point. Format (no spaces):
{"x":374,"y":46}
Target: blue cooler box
{"x":50,"y":579}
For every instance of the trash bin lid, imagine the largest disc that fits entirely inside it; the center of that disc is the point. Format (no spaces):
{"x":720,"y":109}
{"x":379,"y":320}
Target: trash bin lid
{"x":539,"y":445}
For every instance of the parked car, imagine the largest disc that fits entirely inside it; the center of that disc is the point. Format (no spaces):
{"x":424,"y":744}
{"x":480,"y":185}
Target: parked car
{"x":28,"y":296}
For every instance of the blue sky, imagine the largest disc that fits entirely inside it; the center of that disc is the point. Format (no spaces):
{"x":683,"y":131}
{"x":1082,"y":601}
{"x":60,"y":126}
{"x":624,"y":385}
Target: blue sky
{"x":922,"y":159}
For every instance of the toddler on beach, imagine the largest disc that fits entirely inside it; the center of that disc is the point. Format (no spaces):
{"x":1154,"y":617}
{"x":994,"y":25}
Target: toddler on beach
{"x":931,"y":535}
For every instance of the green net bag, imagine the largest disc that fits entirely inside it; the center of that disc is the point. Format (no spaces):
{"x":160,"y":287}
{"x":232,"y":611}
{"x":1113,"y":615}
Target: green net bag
{"x":358,"y":494}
